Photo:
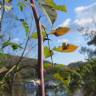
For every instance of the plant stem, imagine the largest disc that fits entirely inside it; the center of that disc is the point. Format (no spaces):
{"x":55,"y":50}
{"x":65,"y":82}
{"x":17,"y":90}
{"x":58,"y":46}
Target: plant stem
{"x":40,"y":50}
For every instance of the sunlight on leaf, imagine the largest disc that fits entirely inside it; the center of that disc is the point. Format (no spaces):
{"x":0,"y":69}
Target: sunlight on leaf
{"x":7,"y":8}
{"x":34,"y":35}
{"x":57,"y":76}
{"x":26,"y":26}
{"x":8,"y":1}
{"x":68,"y":48}
{"x":60,"y":31}
{"x":55,"y":6}
{"x":47,"y":52}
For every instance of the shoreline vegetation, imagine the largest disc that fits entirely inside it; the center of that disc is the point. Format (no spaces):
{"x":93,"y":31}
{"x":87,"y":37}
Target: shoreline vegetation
{"x":72,"y":77}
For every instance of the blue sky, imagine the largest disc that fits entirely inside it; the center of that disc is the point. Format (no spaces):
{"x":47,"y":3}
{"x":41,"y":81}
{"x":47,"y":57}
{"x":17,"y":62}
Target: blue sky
{"x":80,"y":13}
{"x":73,"y":36}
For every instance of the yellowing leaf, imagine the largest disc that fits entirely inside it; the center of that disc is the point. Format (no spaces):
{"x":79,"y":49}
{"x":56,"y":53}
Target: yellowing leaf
{"x":68,"y":48}
{"x":47,"y":52}
{"x":60,"y":31}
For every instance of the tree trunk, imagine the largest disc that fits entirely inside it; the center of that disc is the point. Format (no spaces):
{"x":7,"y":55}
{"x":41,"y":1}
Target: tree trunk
{"x":40,"y":51}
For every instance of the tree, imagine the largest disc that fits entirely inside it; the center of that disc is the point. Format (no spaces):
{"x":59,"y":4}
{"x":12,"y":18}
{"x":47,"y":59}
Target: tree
{"x":89,"y":33}
{"x":50,"y":8}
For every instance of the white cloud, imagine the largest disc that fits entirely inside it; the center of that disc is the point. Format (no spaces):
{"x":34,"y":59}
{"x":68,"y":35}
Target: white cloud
{"x":17,"y":40}
{"x":88,"y":8}
{"x":85,"y":15}
{"x":66,"y":22}
{"x":80,"y":9}
{"x":83,"y":21}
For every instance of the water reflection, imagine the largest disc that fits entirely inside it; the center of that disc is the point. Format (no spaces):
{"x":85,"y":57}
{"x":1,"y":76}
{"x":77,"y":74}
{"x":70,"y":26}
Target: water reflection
{"x":50,"y":92}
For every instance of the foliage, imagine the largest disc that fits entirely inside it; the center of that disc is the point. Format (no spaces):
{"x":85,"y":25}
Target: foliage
{"x":47,"y":52}
{"x":26,"y":27}
{"x":12,"y":44}
{"x":7,"y":8}
{"x":66,"y":48}
{"x":57,"y":7}
{"x":21,"y":6}
{"x":72,"y":79}
{"x":67,"y":78}
{"x":50,"y":12}
{"x":34,"y":35}
{"x":88,"y":75}
{"x":51,"y":8}
{"x":8,"y":1}
{"x":90,"y":37}
{"x":84,"y":78}
{"x":60,"y":31}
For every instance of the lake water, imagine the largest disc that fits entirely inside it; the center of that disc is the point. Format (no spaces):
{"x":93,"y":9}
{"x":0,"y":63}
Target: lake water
{"x":50,"y":92}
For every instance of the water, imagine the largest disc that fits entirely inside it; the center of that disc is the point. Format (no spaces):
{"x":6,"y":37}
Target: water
{"x":50,"y":92}
{"x":31,"y":90}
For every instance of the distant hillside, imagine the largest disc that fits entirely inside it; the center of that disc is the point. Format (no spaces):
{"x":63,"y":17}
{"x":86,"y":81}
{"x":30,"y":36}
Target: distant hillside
{"x":76,"y":64}
{"x":7,"y":61}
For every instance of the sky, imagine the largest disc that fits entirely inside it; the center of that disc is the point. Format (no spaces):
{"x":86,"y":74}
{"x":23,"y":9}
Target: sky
{"x":79,"y":13}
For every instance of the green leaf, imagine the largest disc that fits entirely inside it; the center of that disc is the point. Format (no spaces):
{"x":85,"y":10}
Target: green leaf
{"x":55,"y":6}
{"x":57,"y":76}
{"x":47,"y":52}
{"x":26,"y":26}
{"x":6,"y":43}
{"x":15,"y":46}
{"x":50,"y":12}
{"x":1,"y":36}
{"x":7,"y":8}
{"x":21,"y":6}
{"x":8,"y":1}
{"x":34,"y":35}
{"x":12,"y":44}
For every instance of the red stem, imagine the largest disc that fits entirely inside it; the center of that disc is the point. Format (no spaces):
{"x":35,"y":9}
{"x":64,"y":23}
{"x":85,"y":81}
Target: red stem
{"x":40,"y":50}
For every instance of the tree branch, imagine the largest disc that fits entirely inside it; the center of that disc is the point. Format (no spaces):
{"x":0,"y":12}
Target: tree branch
{"x":2,"y":14}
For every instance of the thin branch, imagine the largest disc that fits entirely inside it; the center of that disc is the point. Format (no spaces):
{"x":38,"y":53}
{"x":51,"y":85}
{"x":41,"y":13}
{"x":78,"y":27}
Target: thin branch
{"x":2,"y":15}
{"x":49,"y":46}
{"x":24,"y":67}
{"x":14,"y":67}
